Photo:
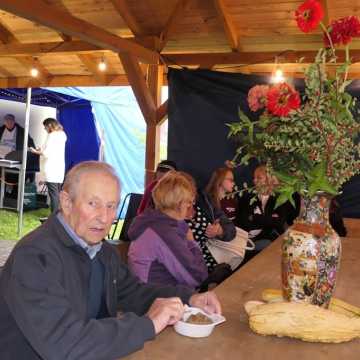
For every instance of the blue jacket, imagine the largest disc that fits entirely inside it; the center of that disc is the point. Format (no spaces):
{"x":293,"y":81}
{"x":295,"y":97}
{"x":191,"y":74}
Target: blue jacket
{"x":160,"y":253}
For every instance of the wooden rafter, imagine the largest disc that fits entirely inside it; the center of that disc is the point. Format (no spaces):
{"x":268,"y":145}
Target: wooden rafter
{"x":122,"y":8}
{"x":92,"y":67}
{"x":6,"y":72}
{"x":39,"y":12}
{"x":250,"y":57}
{"x":63,"y":80}
{"x":5,"y":35}
{"x":139,"y":87}
{"x":27,"y":61}
{"x":162,"y":113}
{"x":176,"y":14}
{"x":229,"y":28}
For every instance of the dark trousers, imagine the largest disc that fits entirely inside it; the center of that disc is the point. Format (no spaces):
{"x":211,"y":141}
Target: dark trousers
{"x":53,"y":190}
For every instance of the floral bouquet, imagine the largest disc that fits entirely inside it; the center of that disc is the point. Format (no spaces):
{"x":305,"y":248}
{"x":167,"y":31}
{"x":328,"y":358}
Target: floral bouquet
{"x":308,"y":140}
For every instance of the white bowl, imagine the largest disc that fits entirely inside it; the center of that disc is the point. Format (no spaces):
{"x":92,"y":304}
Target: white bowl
{"x":197,"y":330}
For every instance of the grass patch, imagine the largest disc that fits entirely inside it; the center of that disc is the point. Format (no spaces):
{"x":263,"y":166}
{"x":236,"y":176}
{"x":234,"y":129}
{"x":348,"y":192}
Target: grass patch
{"x":9,"y":222}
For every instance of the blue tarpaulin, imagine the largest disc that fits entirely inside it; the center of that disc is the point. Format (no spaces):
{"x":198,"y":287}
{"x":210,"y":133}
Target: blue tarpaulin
{"x":118,"y":120}
{"x":118,"y":115}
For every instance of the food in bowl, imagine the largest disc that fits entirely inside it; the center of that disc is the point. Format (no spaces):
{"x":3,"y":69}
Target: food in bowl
{"x":197,"y":330}
{"x":199,"y":319}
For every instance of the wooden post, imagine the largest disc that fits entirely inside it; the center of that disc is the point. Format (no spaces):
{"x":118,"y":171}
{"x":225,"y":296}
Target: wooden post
{"x":152,"y":155}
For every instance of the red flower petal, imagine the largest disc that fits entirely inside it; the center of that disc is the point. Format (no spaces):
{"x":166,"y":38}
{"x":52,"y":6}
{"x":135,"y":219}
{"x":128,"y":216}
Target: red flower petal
{"x":308,"y":15}
{"x":343,"y":30}
{"x":281,"y":99}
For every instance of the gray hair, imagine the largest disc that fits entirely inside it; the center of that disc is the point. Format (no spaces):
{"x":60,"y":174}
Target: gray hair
{"x":72,"y":178}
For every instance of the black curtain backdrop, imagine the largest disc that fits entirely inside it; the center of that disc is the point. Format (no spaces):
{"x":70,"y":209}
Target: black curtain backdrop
{"x":201,"y":103}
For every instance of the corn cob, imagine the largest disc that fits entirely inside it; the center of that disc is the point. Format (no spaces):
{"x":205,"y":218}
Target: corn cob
{"x":337,"y":305}
{"x":302,"y":321}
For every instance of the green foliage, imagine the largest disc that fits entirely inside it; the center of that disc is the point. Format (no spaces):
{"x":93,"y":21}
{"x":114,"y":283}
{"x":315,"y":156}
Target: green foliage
{"x":311,"y":149}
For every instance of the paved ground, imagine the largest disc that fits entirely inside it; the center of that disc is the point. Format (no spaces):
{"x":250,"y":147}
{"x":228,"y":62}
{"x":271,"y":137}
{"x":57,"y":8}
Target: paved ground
{"x":5,"y":248}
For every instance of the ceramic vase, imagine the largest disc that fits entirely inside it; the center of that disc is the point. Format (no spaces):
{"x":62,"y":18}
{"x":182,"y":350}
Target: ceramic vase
{"x":311,"y":254}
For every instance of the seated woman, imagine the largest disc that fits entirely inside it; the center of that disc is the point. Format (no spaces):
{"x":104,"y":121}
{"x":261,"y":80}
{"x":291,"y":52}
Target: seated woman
{"x":160,"y":251}
{"x":257,"y":213}
{"x":210,"y":220}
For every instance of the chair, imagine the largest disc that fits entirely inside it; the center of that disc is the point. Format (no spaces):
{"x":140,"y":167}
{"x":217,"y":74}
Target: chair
{"x":133,"y":204}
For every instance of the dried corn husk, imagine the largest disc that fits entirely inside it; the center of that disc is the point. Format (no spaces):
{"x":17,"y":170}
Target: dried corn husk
{"x":302,"y":321}
{"x":337,"y":305}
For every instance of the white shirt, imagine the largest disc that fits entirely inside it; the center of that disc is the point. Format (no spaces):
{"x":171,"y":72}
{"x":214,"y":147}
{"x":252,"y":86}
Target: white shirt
{"x":8,"y":142}
{"x":54,"y":157}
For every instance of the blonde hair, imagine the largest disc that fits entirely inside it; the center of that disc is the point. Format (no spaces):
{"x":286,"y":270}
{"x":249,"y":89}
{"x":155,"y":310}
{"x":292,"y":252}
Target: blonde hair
{"x":172,"y":189}
{"x":73,"y":177}
{"x":52,"y":124}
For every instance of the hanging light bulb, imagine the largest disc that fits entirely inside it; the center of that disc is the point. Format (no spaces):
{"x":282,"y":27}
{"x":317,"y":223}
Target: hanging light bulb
{"x":102,"y":65}
{"x":278,"y":77}
{"x":34,"y":72}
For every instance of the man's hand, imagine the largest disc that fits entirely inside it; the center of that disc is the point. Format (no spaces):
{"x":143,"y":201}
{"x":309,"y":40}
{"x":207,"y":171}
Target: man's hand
{"x":206,"y":301}
{"x":164,"y":312}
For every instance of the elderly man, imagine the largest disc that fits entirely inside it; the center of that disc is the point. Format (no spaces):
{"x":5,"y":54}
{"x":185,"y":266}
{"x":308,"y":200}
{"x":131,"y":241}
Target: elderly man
{"x":62,"y":286}
{"x":12,"y":136}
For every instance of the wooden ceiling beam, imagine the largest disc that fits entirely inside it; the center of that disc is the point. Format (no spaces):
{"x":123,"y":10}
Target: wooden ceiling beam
{"x":62,"y":47}
{"x":176,"y":14}
{"x":122,"y":8}
{"x":137,"y":81}
{"x":229,"y":27}
{"x":62,"y":80}
{"x":162,"y":113}
{"x":5,"y":35}
{"x":92,"y":67}
{"x":250,"y":57}
{"x":61,"y":21}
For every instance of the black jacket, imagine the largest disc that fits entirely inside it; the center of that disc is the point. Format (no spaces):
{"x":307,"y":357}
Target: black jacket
{"x":19,"y":137}
{"x":212,"y":213}
{"x":271,"y":221}
{"x":43,"y":301}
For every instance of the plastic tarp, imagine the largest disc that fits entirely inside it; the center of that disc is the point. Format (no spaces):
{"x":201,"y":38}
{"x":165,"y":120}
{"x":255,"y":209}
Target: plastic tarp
{"x":123,"y":128}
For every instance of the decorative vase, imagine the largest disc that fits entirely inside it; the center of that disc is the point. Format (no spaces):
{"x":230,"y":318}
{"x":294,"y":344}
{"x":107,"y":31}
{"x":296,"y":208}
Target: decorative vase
{"x":311,"y":254}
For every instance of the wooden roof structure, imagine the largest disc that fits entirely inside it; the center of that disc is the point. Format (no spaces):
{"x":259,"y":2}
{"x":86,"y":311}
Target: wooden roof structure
{"x":138,"y":39}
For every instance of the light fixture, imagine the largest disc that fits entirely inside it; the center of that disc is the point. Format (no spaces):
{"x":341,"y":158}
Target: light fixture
{"x":278,"y":77}
{"x":102,"y":65}
{"x":34,"y":72}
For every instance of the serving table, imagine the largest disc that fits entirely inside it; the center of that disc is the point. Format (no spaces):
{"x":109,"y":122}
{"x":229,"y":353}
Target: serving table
{"x":234,"y":339}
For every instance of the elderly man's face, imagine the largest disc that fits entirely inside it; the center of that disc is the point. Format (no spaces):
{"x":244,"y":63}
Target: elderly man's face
{"x":9,"y":123}
{"x":93,"y":210}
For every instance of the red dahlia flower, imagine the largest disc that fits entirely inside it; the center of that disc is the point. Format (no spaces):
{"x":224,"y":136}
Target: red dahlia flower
{"x":343,"y":30}
{"x":308,"y":15}
{"x":281,"y":99}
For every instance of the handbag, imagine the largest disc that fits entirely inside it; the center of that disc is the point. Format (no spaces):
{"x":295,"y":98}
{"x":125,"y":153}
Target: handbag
{"x":231,"y":252}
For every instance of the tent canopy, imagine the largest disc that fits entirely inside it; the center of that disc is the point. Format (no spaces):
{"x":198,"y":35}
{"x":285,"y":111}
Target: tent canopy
{"x":91,"y":114}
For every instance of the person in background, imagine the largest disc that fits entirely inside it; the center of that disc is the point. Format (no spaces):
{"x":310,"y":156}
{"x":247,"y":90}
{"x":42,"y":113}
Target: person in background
{"x":160,"y":252}
{"x":209,"y":220}
{"x":12,"y":136}
{"x":62,"y":286}
{"x":163,"y":167}
{"x":53,"y":152}
{"x":257,"y":213}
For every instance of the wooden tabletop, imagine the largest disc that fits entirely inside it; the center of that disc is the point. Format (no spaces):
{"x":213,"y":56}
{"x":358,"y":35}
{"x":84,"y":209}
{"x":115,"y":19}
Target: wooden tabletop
{"x":234,"y":339}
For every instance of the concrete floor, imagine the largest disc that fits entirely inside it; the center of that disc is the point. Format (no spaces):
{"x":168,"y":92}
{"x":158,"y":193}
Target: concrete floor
{"x":5,"y":248}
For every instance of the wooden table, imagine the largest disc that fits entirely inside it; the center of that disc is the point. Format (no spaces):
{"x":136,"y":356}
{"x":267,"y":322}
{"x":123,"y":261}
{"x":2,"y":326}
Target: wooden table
{"x":234,"y":339}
